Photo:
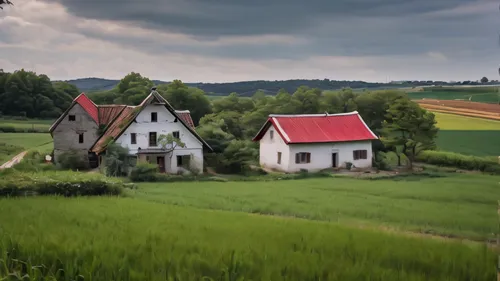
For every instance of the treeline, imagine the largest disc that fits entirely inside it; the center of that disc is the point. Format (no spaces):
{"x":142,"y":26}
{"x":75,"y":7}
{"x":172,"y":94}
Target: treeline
{"x":26,"y":94}
{"x":247,"y":88}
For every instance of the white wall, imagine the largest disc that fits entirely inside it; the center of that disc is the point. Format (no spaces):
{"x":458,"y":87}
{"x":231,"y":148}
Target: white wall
{"x":321,"y":155}
{"x":269,"y":149}
{"x":164,"y":125}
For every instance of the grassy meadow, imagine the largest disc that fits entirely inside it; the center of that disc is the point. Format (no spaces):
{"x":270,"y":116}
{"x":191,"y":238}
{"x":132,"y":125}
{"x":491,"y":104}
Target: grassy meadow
{"x":12,"y":144}
{"x":477,"y":94}
{"x":456,"y":205}
{"x":468,"y":135}
{"x":27,"y":124}
{"x":133,"y":239}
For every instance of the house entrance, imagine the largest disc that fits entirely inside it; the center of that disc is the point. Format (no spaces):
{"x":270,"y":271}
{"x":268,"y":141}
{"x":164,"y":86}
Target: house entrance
{"x":334,"y":160}
{"x":160,"y":160}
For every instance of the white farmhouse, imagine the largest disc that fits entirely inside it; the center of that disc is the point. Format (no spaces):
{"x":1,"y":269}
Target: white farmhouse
{"x":138,"y":128}
{"x":315,"y":142}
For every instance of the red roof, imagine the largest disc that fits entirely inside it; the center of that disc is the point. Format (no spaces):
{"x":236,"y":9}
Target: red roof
{"x":115,"y":128}
{"x":108,"y":113}
{"x":89,"y":106}
{"x":185,"y":115}
{"x":318,"y":128}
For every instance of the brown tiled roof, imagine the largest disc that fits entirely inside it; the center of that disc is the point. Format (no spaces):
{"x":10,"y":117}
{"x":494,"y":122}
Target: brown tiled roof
{"x":185,"y":115}
{"x":128,"y":114}
{"x":115,"y":129}
{"x":107,"y":113}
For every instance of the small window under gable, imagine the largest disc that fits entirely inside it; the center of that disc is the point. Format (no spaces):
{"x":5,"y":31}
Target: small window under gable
{"x":271,"y":134}
{"x":279,"y":157}
{"x":133,"y":138}
{"x":80,"y":138}
{"x":71,"y":118}
{"x":154,"y":117}
{"x":152,"y":139}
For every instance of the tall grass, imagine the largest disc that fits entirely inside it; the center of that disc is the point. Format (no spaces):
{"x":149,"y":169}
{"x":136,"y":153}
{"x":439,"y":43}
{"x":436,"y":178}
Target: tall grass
{"x":129,"y":239}
{"x":457,"y":205}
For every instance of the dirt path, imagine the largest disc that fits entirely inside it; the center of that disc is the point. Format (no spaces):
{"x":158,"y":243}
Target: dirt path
{"x":16,"y":159}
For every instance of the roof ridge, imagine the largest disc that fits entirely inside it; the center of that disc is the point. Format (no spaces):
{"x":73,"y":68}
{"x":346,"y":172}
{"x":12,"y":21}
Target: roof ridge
{"x":326,"y":114}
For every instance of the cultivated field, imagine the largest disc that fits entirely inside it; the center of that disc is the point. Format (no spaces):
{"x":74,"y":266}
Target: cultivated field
{"x":458,"y":205}
{"x":26,"y":124}
{"x":465,"y":108}
{"x":475,"y":94}
{"x":146,"y":237}
{"x":468,"y":135}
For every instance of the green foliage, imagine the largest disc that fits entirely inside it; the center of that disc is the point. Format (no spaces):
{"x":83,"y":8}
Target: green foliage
{"x":34,"y":161}
{"x":72,"y":160}
{"x":7,"y":151}
{"x":117,"y":160}
{"x":144,"y":172}
{"x":169,"y":142}
{"x":16,"y":183}
{"x":461,"y":161}
{"x":129,"y":239}
{"x":27,"y":94}
{"x":408,"y":129}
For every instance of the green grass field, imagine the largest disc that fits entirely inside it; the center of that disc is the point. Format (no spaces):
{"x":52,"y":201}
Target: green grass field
{"x":27,"y":124}
{"x":477,"y":94}
{"x":13,"y":143}
{"x":135,"y":239}
{"x":461,"y":206}
{"x":468,"y":135}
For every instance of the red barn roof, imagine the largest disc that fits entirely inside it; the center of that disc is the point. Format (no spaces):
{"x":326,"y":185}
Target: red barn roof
{"x":318,"y":128}
{"x":89,"y":106}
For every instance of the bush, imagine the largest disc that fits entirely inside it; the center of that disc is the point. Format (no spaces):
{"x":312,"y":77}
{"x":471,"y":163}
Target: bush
{"x":117,"y":161}
{"x":34,"y":161}
{"x":72,"y":160}
{"x":144,"y":172}
{"x":12,"y":129}
{"x":466,"y":162}
{"x":65,"y":183}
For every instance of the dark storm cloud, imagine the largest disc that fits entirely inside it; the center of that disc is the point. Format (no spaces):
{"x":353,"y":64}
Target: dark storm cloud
{"x":244,"y":17}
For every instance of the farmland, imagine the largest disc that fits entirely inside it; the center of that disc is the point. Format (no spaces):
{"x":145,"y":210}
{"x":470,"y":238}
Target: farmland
{"x":475,"y":94}
{"x":27,"y":124}
{"x":149,"y":238}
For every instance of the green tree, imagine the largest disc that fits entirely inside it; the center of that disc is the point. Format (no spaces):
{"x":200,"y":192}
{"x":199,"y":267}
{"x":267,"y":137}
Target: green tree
{"x":484,"y":80}
{"x":409,"y":129}
{"x":233,"y":103}
{"x":182,"y":97}
{"x":132,"y":89}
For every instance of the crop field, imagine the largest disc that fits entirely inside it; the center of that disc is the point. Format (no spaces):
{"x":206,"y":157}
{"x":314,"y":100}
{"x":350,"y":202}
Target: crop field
{"x":468,"y":135}
{"x":139,"y":238}
{"x":26,"y":124}
{"x":457,"y":206}
{"x":475,"y":94}
{"x":13,"y":143}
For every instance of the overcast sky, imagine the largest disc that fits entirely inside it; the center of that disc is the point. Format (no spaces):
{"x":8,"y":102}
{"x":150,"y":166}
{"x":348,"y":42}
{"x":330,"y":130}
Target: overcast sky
{"x":235,"y":40}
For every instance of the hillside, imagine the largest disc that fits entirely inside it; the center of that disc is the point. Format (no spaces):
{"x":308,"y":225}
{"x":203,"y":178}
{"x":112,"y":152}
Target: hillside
{"x":248,"y":88}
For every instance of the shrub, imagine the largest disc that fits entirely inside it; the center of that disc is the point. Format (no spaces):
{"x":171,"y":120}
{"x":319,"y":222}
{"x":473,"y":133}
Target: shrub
{"x":72,"y":160}
{"x":12,"y":129}
{"x":466,"y":162}
{"x":144,"y":172}
{"x":63,"y":183}
{"x":117,"y":162}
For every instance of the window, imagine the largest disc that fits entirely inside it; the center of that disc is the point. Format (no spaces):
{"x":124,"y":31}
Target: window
{"x":176,"y":135}
{"x":133,"y":138}
{"x":154,"y":117}
{"x":279,"y":157}
{"x":152,"y":138}
{"x":271,"y":134}
{"x":302,"y":157}
{"x":183,"y":160}
{"x":71,"y":117}
{"x":359,"y":154}
{"x":80,"y":138}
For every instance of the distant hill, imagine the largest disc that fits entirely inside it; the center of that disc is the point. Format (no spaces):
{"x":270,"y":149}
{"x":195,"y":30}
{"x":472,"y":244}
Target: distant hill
{"x":248,"y":88}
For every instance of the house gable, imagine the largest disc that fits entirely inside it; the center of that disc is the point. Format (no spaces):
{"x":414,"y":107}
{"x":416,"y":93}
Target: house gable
{"x":66,"y":133}
{"x":127,"y":117}
{"x":86,"y":104}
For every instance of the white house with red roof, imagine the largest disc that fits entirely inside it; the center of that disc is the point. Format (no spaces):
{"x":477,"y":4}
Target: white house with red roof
{"x":315,"y":142}
{"x":87,"y":128}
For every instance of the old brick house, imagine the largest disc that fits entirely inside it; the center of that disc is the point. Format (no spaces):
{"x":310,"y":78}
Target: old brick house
{"x":87,"y":129}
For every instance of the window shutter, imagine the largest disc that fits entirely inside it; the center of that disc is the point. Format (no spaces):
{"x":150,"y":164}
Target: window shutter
{"x":297,"y":158}
{"x":354,"y":155}
{"x":308,"y":157}
{"x":365,"y":154}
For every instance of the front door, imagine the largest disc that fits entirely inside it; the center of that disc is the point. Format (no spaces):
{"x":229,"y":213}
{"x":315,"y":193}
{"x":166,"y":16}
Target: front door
{"x":334,"y":160}
{"x":160,"y":160}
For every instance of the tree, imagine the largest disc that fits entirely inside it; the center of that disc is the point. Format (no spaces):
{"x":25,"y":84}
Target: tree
{"x":484,"y":80}
{"x":5,"y":2}
{"x":409,"y":129}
